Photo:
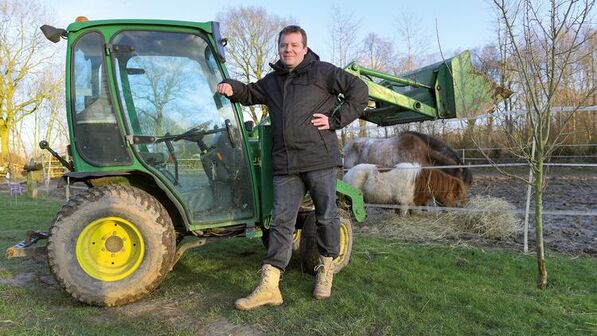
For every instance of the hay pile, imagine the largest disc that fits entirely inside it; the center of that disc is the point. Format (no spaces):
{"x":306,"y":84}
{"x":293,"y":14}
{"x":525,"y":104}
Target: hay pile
{"x":492,"y":223}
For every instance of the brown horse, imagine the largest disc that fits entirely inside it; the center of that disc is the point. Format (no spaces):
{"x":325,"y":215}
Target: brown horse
{"x":433,"y":184}
{"x":405,"y":147}
{"x":439,"y":146}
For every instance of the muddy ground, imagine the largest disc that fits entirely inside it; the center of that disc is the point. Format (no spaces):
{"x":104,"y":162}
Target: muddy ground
{"x":573,"y":234}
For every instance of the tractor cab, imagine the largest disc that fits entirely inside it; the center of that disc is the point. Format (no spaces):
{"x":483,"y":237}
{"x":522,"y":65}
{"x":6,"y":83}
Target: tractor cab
{"x":143,"y":99}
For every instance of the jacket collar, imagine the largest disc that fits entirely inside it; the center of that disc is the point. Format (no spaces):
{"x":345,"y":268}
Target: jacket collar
{"x":310,"y":58}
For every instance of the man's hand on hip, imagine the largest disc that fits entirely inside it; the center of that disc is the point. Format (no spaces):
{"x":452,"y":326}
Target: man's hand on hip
{"x":224,"y":89}
{"x":320,"y":121}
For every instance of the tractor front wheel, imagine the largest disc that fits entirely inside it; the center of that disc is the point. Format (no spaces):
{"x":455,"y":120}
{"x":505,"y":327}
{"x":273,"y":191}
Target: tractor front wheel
{"x":111,"y":245}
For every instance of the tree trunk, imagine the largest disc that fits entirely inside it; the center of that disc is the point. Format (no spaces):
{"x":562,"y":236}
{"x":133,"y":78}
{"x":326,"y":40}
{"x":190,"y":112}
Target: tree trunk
{"x":343,"y":137}
{"x":362,"y":128}
{"x":539,"y":183}
{"x":4,"y":145}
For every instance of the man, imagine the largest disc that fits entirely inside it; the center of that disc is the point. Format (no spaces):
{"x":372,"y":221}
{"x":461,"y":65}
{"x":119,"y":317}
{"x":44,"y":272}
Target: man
{"x":301,"y":94}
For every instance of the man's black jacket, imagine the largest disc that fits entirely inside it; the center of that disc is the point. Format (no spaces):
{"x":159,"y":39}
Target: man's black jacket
{"x":292,"y":98}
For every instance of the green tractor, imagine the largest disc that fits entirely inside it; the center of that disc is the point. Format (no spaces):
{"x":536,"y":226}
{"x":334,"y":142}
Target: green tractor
{"x":172,"y":165}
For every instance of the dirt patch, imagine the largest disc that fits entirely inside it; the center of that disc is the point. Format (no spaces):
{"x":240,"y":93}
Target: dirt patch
{"x":569,"y":234}
{"x":20,"y":279}
{"x":222,"y":327}
{"x":30,"y":271}
{"x":188,"y":313}
{"x":7,"y":324}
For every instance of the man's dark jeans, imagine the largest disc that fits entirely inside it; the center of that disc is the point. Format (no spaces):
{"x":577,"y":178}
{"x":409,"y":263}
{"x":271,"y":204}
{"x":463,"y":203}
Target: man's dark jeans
{"x":289,"y":191}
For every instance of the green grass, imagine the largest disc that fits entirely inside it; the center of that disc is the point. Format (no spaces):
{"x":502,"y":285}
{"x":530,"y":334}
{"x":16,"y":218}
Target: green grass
{"x":391,"y":287}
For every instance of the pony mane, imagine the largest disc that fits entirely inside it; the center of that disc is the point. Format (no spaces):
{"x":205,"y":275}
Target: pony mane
{"x":407,"y":170}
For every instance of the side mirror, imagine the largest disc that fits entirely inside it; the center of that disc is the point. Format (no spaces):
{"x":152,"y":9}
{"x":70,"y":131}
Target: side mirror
{"x":52,"y":33}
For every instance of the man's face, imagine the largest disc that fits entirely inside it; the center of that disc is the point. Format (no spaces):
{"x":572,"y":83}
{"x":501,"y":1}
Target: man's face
{"x":291,"y":49}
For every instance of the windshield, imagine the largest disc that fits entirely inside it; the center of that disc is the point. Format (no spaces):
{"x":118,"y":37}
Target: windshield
{"x":180,"y":126}
{"x":167,"y":82}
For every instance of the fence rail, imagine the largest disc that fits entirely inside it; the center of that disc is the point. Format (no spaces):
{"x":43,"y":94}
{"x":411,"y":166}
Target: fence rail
{"x":514,"y":211}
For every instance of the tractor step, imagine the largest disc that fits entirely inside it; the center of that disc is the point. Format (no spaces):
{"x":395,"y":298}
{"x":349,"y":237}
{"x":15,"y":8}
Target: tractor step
{"x":25,"y":248}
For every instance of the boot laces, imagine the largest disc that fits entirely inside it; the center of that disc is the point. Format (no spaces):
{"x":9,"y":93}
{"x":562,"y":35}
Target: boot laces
{"x":323,"y":275}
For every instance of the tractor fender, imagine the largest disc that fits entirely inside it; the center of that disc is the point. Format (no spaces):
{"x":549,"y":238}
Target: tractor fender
{"x":140,"y":180}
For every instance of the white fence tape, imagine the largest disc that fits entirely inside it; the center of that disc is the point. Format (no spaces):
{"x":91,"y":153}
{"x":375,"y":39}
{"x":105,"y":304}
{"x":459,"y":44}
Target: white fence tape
{"x":516,"y":211}
{"x":493,"y":165}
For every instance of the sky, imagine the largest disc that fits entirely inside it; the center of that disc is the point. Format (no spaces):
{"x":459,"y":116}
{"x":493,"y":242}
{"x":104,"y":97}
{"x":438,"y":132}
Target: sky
{"x":462,"y":24}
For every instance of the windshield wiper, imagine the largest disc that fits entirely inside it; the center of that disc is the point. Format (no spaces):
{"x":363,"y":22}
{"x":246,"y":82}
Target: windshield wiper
{"x":192,"y":134}
{"x":196,"y":134}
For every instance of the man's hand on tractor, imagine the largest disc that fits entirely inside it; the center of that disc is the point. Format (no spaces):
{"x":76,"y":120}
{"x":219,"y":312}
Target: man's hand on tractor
{"x":320,"y":121}
{"x":224,"y":89}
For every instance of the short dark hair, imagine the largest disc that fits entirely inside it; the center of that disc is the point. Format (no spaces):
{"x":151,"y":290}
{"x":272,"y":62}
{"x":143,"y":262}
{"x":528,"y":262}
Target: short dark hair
{"x":293,"y":29}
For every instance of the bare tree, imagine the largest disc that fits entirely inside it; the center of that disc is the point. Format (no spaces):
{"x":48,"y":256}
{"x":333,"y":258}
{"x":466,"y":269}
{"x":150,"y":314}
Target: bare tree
{"x":376,"y":53}
{"x":48,"y":120}
{"x":344,"y":31}
{"x":343,"y":43}
{"x":413,"y":42}
{"x":412,"y":46}
{"x":543,"y":39}
{"x":252,"y":44}
{"x":23,"y":53}
{"x":56,"y":130}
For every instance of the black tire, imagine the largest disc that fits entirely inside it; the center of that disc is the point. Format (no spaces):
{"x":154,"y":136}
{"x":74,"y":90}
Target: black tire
{"x":308,"y":243}
{"x":265,"y":237}
{"x":148,"y":253}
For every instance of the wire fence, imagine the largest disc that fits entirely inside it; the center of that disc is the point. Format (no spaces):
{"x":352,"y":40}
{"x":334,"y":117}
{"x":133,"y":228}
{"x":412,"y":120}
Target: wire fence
{"x":588,"y":213}
{"x":485,"y":153}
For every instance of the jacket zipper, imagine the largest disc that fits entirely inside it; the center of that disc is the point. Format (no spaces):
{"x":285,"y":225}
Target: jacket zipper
{"x":286,"y":82}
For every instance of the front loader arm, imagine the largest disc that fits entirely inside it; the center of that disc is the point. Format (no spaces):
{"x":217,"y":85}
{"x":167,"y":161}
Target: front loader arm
{"x":449,"y":89}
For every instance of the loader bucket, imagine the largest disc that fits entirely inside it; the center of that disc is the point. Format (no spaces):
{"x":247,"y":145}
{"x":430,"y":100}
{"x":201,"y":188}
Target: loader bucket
{"x":453,"y":88}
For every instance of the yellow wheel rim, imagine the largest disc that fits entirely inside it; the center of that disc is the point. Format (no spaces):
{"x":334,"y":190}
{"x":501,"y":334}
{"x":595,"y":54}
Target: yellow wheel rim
{"x":110,"y":249}
{"x":296,"y":239}
{"x":344,"y":238}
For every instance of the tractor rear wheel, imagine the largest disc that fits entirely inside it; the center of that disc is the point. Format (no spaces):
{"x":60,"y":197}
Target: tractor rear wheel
{"x":310,"y":251}
{"x":111,"y":245}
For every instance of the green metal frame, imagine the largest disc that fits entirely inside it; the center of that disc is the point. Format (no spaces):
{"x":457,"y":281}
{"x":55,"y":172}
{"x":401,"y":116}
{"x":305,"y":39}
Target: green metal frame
{"x":356,"y":199}
{"x":449,"y":89}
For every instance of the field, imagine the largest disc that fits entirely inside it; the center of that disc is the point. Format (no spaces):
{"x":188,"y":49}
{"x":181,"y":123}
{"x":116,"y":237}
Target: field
{"x":565,"y":190}
{"x":391,"y":287}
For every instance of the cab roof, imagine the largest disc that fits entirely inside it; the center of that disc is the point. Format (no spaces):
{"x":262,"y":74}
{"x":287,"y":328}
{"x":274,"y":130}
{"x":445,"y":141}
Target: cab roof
{"x":76,"y":26}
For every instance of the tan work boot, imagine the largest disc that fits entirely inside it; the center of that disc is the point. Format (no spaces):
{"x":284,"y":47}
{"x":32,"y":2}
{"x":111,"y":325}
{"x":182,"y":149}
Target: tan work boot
{"x":323,"y":280}
{"x":267,"y":293}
